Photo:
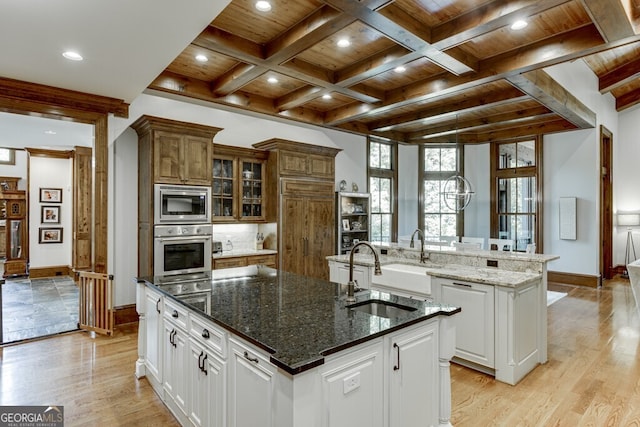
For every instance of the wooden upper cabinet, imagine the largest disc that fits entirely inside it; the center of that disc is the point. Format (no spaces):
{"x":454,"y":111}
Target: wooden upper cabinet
{"x":181,"y":151}
{"x":300,"y":159}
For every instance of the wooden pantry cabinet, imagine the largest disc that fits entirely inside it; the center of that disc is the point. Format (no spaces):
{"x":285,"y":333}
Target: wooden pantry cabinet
{"x":169,"y":152}
{"x":239,"y":179}
{"x":300,"y":198}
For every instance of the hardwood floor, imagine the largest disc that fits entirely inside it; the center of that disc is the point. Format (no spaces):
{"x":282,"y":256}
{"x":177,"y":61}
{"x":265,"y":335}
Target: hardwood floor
{"x":592,"y":377}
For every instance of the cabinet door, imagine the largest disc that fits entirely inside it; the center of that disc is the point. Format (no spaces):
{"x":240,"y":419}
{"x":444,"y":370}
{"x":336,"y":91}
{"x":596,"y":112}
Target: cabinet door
{"x":207,"y":395}
{"x":321,"y":166}
{"x":252,"y":387}
{"x":475,"y":324}
{"x":175,"y":359}
{"x":251,"y":190}
{"x":223,"y":204}
{"x":196,"y":160}
{"x":293,"y":234}
{"x":320,"y":232}
{"x":153,"y":358}
{"x":413,"y":384}
{"x":339,"y":273}
{"x":293,"y":163}
{"x":166,"y":160}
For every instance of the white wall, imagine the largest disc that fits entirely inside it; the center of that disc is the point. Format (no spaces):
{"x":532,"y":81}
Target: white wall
{"x":408,"y":215}
{"x":571,"y":168}
{"x":46,"y":172}
{"x":476,"y":170}
{"x":626,"y":176}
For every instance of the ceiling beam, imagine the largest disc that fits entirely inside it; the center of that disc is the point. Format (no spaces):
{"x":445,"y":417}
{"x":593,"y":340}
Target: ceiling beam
{"x":628,"y":100}
{"x":620,"y":76}
{"x":531,"y":130}
{"x":238,"y":76}
{"x":610,"y":18}
{"x":541,"y":87}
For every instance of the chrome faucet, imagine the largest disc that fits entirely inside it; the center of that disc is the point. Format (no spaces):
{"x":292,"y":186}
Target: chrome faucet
{"x":351,"y":286}
{"x":423,"y":258}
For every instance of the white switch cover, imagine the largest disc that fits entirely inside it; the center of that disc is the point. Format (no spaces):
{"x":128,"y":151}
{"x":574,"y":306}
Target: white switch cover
{"x":351,"y":383}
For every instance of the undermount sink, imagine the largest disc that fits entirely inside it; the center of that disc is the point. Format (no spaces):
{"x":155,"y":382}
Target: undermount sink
{"x":381,"y":308}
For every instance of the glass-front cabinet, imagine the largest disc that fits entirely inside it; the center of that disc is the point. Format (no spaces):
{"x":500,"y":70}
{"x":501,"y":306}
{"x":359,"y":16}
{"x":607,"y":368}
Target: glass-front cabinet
{"x":238,"y":184}
{"x":17,"y":243}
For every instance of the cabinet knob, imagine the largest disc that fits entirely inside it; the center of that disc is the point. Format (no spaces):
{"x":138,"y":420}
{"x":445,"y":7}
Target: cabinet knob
{"x":174,"y":314}
{"x":205,"y":333}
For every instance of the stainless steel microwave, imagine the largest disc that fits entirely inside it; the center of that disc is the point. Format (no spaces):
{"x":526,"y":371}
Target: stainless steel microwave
{"x":182,"y":204}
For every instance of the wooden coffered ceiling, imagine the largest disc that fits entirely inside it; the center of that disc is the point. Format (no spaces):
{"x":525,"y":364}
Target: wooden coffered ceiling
{"x":468,"y":75}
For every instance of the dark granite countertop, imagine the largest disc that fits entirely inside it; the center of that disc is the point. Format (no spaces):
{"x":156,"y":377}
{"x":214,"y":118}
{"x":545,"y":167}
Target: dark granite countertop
{"x":297,"y":319}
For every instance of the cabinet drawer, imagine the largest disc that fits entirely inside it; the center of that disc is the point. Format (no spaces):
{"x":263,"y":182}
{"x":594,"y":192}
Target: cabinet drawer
{"x":176,"y":313}
{"x":207,"y":333}
{"x":307,"y":187}
{"x":268,"y":260}
{"x":230,"y":262}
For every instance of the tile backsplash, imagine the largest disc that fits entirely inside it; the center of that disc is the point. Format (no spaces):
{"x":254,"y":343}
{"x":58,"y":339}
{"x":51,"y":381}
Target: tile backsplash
{"x":243,"y":236}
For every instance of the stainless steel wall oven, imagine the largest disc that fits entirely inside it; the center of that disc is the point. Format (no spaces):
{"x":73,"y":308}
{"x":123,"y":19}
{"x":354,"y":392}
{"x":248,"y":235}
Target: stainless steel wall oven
{"x":182,"y":249}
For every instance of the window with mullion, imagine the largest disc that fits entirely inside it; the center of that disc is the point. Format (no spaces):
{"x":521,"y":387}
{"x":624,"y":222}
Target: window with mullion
{"x":382,"y":169}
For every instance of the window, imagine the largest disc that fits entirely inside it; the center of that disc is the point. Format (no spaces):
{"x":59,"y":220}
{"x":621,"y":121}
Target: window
{"x":438,"y":163}
{"x":382,"y":187}
{"x":7,"y":156}
{"x":514,"y":195}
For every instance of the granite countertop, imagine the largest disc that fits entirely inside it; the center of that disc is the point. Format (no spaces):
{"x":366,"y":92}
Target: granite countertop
{"x":243,"y":252}
{"x":487,"y":275}
{"x":297,"y":319}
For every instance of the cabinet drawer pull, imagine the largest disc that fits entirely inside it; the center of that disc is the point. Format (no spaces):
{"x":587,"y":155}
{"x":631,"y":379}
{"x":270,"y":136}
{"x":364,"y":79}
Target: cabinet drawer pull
{"x":204,"y":367}
{"x":466,"y":285}
{"x":158,"y":305}
{"x":205,"y":333}
{"x":174,"y":314}
{"x":249,"y":358}
{"x":200,"y":360}
{"x":397,"y":365}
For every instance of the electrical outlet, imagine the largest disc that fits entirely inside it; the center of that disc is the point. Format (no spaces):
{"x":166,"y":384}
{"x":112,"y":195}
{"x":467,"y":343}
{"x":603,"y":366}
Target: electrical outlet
{"x":351,"y":383}
{"x":492,"y":263}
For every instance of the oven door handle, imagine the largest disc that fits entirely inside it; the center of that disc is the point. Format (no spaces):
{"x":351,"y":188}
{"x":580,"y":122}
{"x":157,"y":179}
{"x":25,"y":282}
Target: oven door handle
{"x":183,"y":238}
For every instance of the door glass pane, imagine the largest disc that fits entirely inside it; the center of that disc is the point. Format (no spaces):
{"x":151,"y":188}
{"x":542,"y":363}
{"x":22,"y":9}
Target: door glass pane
{"x":516,"y":195}
{"x":448,"y":161}
{"x":506,"y":156}
{"x":432,"y":196}
{"x":526,"y":153}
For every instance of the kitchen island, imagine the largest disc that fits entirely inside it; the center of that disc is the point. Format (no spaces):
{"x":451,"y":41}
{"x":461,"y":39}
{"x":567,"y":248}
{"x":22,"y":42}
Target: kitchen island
{"x":258,"y":346}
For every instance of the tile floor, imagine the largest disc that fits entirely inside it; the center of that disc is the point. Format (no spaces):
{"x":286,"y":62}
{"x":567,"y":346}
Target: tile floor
{"x":38,"y":307}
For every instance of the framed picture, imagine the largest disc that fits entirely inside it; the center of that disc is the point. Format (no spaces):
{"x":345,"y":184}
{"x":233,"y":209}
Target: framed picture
{"x":51,"y":195}
{"x":50,"y":215}
{"x":50,"y":235}
{"x":345,"y":224}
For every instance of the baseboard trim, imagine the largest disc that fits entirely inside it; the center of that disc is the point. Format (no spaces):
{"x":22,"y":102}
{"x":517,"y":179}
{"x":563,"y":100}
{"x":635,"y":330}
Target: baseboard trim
{"x":573,"y":279}
{"x":54,"y":271}
{"x":125,"y":314}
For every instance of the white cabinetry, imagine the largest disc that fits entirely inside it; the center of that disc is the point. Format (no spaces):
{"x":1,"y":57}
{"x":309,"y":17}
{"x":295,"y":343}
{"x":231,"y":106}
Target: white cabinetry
{"x":207,"y":374}
{"x":175,"y":338}
{"x":153,"y":306}
{"x":352,"y":387}
{"x":475,"y":324}
{"x":412,"y":366}
{"x":252,"y":387}
{"x":339,"y":273}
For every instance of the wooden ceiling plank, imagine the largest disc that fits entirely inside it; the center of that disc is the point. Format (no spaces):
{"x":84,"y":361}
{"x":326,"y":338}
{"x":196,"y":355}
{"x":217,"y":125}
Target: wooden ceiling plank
{"x":572,"y":45}
{"x":628,"y":100}
{"x":543,"y":88}
{"x":610,"y":18}
{"x":374,"y":65}
{"x":509,"y":119}
{"x":487,"y":18}
{"x":313,"y":29}
{"x":620,"y":76}
{"x":468,"y":105}
{"x":400,"y":35}
{"x":236,"y":78}
{"x":298,"y":97}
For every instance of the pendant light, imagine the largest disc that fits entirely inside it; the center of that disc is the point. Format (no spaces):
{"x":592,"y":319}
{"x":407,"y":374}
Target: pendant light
{"x":457,"y":190}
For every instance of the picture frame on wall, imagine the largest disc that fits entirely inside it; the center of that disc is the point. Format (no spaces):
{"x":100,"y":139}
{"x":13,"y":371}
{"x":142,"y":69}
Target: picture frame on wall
{"x":50,"y":195}
{"x":50,"y":235}
{"x":50,"y":215}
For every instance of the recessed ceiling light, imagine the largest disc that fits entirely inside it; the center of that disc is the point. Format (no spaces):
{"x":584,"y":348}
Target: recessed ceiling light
{"x":400,"y":69}
{"x":344,"y":43}
{"x":519,"y":24}
{"x":326,"y":96}
{"x":73,"y":56}
{"x":50,"y":132}
{"x":263,"y":6}
{"x":201,"y":58}
{"x":272,"y":80}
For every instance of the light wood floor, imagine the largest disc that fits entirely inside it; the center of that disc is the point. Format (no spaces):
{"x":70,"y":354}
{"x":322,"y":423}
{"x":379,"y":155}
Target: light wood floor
{"x":592,"y":377}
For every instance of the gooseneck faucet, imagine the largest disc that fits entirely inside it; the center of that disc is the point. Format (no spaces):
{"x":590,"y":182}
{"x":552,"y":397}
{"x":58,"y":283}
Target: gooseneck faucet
{"x":411,"y":245}
{"x":351,"y":286}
